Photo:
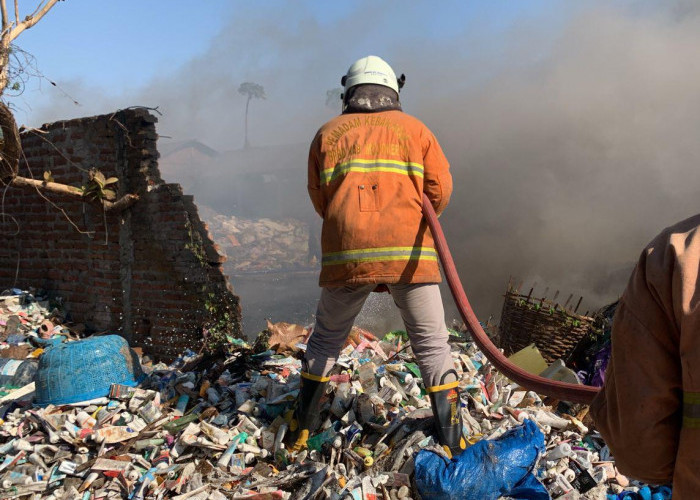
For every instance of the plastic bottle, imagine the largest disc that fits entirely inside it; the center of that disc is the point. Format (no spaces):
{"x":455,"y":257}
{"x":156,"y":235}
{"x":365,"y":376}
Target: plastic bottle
{"x":255,"y":450}
{"x":114,"y":434}
{"x":380,"y":448}
{"x":213,"y":396}
{"x":225,"y":458}
{"x":569,"y":475}
{"x":341,"y":401}
{"x":142,"y":444}
{"x":560,"y":486}
{"x":559,"y":452}
{"x":15,"y":478}
{"x":367,"y":377}
{"x":644,"y":493}
{"x":217,"y":435}
{"x":661,"y":493}
{"x":404,"y":377}
{"x":15,"y":373}
{"x":548,"y":418}
{"x":315,"y":442}
{"x":84,"y":420}
{"x":175,"y":426}
{"x":181,"y":405}
{"x":352,"y":432}
{"x":248,"y":426}
{"x":23,"y":445}
{"x":412,"y":388}
{"x":279,"y":438}
{"x":362,"y":451}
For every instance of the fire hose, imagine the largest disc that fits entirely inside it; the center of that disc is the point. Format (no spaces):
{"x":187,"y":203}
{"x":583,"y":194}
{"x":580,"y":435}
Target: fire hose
{"x":558,"y":390}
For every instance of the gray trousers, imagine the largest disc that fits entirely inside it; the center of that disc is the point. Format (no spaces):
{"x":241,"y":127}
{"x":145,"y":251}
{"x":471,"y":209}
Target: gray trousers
{"x":422,"y":313}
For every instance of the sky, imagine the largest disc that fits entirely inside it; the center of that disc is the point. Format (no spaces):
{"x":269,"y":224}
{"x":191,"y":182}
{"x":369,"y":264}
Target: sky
{"x":570,"y":126}
{"x":113,"y":46}
{"x":113,"y":49}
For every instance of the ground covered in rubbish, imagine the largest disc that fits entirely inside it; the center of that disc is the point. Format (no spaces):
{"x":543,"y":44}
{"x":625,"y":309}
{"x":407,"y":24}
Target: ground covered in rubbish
{"x":214,"y":425}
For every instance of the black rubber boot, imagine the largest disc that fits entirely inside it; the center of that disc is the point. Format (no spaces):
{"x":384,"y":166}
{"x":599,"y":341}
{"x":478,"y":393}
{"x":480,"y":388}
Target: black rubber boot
{"x":307,"y":412}
{"x":445,"y":401}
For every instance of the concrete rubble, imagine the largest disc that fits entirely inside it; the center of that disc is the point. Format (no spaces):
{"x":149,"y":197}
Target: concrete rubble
{"x":215,"y":428}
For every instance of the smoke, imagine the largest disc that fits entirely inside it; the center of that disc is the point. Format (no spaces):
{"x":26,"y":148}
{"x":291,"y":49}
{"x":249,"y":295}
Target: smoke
{"x":571,"y":132}
{"x":566,"y":167}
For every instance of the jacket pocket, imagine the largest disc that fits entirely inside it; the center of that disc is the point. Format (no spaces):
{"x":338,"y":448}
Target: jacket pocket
{"x":369,"y":197}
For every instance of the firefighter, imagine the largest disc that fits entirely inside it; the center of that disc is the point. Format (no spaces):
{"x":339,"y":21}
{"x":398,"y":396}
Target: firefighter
{"x":368,"y":169}
{"x":648,"y":410}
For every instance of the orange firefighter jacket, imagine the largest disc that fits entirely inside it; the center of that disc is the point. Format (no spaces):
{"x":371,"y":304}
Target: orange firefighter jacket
{"x":649,"y":408}
{"x":366,"y":178}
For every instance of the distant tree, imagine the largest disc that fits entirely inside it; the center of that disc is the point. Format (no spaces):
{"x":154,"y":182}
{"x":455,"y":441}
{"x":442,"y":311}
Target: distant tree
{"x":252,"y":91}
{"x":333,"y":97}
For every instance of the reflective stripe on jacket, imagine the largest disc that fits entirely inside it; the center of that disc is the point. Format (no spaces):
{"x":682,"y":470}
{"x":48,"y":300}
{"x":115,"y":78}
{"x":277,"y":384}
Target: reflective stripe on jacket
{"x":366,"y":178}
{"x":649,"y":408}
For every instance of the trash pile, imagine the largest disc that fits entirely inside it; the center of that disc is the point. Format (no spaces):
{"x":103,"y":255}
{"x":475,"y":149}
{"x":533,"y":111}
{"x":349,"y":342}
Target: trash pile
{"x":261,"y":244}
{"x":215,"y":428}
{"x":24,"y":321}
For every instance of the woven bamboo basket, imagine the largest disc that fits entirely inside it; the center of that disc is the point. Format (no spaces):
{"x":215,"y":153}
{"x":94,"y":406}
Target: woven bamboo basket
{"x":555,"y":330}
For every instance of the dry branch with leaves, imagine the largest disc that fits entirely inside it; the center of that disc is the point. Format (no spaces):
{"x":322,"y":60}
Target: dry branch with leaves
{"x":95,"y":191}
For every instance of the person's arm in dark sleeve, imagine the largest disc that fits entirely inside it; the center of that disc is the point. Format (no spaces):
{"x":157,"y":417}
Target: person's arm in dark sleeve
{"x":638,"y":411}
{"x":314,"y":178}
{"x":437,"y":180}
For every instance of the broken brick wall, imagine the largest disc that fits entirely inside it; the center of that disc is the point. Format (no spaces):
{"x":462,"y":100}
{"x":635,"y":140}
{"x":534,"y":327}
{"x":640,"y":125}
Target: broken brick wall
{"x":150,"y":273}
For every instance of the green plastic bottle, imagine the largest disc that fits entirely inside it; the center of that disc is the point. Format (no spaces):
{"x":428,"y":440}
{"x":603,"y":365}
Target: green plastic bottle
{"x":315,"y":442}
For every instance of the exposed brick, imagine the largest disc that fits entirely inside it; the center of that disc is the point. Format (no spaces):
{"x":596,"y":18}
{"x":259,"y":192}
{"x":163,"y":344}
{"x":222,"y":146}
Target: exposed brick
{"x":165,"y":278}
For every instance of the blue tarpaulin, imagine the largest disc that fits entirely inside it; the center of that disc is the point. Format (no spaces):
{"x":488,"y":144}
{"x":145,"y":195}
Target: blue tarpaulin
{"x":487,"y":470}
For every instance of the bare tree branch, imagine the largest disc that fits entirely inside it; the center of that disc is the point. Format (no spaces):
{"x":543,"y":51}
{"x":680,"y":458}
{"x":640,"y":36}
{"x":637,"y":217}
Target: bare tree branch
{"x":121,"y":204}
{"x":30,"y":21}
{"x":63,"y":189}
{"x":54,"y":187}
{"x":37,"y":9}
{"x":3,"y":7}
{"x":16,"y":11}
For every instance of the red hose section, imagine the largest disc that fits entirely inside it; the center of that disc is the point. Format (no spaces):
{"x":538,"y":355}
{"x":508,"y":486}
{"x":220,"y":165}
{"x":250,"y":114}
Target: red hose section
{"x":559,"y":390}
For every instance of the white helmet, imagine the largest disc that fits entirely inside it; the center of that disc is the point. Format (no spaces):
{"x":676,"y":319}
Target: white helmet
{"x":372,"y":69}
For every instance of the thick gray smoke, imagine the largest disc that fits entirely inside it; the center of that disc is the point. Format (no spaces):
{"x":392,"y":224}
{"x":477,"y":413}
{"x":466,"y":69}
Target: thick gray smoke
{"x":572,"y":136}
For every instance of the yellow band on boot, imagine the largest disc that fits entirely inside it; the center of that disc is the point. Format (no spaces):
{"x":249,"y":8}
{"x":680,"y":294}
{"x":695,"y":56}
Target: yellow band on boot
{"x":300,"y":443}
{"x":443,"y":387}
{"x":315,"y":378}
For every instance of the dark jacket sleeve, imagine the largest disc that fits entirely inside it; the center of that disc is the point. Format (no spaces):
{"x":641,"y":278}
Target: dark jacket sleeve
{"x":638,"y":411}
{"x":314,"y":178}
{"x":437,"y":180}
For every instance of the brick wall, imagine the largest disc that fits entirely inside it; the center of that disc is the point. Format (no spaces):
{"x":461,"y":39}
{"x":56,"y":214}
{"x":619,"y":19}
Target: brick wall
{"x":150,"y":273}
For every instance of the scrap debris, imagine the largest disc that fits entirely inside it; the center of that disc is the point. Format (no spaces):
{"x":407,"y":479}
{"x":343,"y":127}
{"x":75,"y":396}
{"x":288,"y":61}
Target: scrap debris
{"x":26,"y":322}
{"x":215,"y":428}
{"x":260,"y":244}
